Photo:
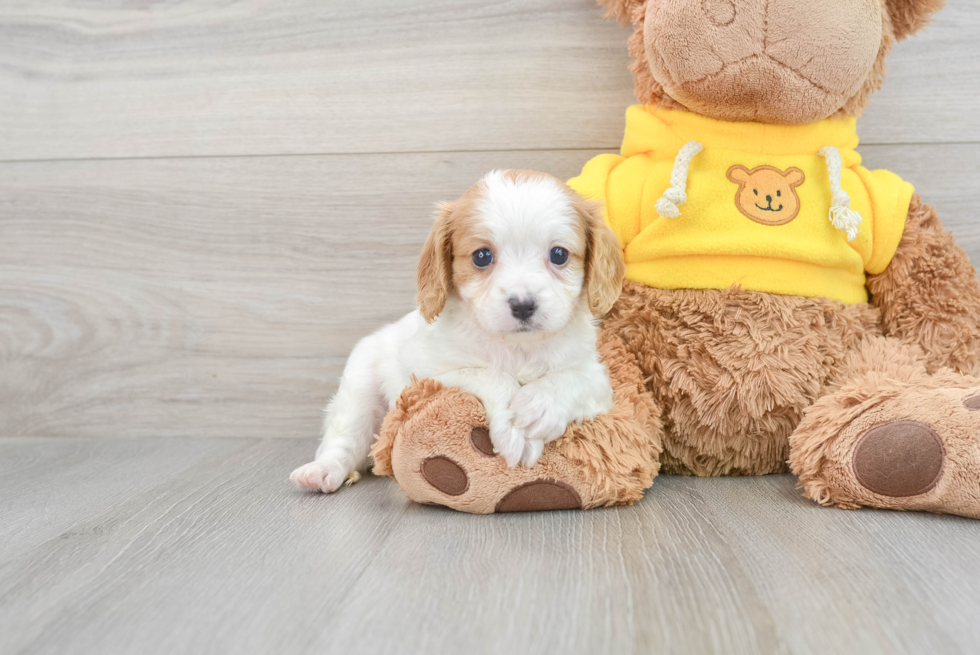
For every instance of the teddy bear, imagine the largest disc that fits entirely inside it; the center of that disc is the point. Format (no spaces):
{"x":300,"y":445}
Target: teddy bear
{"x":785,"y":309}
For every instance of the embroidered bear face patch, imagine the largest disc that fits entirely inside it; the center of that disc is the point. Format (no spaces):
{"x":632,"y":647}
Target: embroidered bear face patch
{"x":766,"y":194}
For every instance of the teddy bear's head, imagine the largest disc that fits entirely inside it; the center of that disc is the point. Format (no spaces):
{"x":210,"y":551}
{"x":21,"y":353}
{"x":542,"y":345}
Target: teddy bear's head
{"x":772,"y":61}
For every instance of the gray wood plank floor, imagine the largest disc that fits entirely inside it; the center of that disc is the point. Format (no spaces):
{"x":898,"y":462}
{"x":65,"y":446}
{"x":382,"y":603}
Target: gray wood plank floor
{"x":200,"y":545}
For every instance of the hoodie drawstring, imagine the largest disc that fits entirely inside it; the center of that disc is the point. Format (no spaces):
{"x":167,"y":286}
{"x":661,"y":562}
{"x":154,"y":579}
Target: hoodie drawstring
{"x":676,"y":195}
{"x":842,"y":216}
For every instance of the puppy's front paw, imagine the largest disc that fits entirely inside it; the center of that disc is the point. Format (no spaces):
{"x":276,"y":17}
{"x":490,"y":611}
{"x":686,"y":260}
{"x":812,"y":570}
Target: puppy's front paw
{"x":539,"y":414}
{"x":508,"y":441}
{"x":320,"y":476}
{"x":532,"y":452}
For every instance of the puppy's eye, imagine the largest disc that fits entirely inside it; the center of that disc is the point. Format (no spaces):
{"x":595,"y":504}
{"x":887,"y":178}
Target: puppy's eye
{"x":482,"y":258}
{"x":558,"y":256}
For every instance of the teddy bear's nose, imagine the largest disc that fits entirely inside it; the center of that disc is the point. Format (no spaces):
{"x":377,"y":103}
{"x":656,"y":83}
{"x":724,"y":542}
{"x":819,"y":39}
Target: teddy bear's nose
{"x":769,"y":199}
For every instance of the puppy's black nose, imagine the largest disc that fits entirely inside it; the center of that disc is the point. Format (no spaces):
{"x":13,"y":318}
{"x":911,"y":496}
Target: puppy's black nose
{"x":522,"y":309}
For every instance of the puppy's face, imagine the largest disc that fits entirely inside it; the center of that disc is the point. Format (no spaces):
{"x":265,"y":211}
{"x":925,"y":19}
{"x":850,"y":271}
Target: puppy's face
{"x":523,"y":252}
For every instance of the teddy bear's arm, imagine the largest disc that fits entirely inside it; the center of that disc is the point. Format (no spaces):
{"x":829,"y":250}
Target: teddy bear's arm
{"x":929,"y":295}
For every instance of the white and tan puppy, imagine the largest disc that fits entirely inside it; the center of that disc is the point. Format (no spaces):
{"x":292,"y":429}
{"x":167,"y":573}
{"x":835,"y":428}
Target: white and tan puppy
{"x":511,"y":282}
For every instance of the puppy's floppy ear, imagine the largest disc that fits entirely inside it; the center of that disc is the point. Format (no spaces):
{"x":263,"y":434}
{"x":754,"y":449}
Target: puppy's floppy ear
{"x":604,"y":267}
{"x":621,"y":10}
{"x":909,"y":16}
{"x":435,"y":270}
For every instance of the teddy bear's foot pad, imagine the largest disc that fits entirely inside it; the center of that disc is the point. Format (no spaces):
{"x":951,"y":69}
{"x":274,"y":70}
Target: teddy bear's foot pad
{"x":480,"y":439}
{"x":899,"y":459}
{"x":468,"y":475}
{"x":539,"y":495}
{"x":445,"y":475}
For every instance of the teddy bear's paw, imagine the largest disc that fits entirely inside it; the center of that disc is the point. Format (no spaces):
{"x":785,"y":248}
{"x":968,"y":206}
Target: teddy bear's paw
{"x":918,"y":449}
{"x":465,"y":473}
{"x":451,"y":478}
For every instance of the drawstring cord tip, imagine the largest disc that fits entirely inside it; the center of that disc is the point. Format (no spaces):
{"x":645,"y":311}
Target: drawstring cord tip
{"x":676,"y":194}
{"x":842,"y":216}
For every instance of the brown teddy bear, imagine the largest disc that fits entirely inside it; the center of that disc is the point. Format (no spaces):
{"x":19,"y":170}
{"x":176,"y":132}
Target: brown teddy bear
{"x":785,"y":308}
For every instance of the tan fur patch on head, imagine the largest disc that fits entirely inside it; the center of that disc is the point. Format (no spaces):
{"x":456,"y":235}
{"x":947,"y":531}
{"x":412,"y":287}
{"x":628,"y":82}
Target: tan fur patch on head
{"x":441,"y":269}
{"x":469,"y":235}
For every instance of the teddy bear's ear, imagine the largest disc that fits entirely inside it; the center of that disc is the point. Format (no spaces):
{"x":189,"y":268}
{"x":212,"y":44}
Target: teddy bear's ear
{"x":621,"y":10}
{"x":909,"y":16}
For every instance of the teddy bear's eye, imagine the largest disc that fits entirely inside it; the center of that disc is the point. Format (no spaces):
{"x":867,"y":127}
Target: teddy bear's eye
{"x":779,"y":193}
{"x":755,"y":191}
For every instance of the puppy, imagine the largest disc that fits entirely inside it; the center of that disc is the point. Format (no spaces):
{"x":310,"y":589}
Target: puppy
{"x":511,"y":280}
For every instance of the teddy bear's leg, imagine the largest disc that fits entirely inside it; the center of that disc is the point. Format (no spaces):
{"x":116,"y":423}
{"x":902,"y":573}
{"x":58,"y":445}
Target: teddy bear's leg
{"x":890,"y":435}
{"x":436,"y":444}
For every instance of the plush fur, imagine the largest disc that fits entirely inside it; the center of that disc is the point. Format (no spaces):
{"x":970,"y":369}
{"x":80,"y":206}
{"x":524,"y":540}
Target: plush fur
{"x":743,"y":383}
{"x":733,"y":370}
{"x":928,"y":294}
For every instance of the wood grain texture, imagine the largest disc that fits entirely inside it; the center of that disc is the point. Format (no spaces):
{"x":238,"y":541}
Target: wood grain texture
{"x":217,"y":553}
{"x":245,"y":77}
{"x":220,"y":297}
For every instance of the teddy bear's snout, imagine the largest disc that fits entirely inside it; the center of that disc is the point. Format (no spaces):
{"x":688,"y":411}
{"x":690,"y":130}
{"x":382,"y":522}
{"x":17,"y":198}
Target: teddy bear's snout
{"x":769,"y":60}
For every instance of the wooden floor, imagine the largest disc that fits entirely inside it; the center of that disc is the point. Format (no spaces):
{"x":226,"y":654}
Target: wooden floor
{"x":199,"y":546}
{"x":204,"y":204}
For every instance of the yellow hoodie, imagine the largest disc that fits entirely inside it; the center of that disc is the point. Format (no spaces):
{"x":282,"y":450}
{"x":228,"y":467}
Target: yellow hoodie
{"x":704,"y":204}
